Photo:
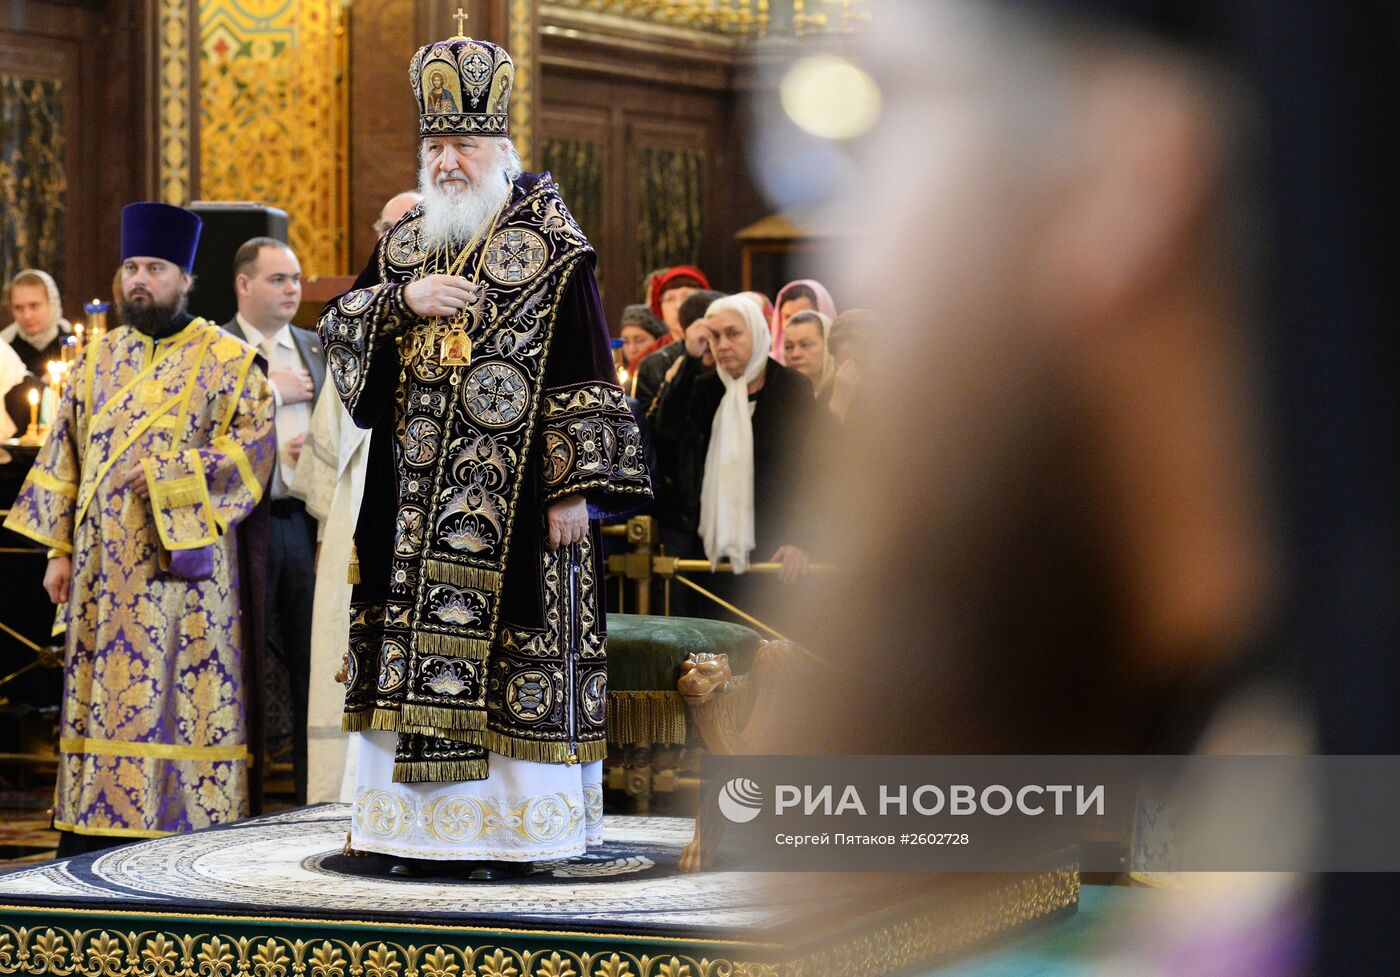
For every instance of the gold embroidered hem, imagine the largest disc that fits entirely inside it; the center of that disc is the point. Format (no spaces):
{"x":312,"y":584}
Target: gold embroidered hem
{"x":440,"y":721}
{"x":408,"y":718}
{"x":66,"y":489}
{"x":554,"y":495}
{"x":541,"y":751}
{"x":160,"y":751}
{"x":524,"y":812}
{"x":39,"y":537}
{"x":82,"y":829}
{"x":392,"y":720}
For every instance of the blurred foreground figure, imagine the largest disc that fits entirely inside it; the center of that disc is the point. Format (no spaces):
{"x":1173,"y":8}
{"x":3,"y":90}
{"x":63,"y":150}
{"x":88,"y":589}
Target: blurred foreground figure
{"x":1062,"y":383}
{"x":1076,"y":550}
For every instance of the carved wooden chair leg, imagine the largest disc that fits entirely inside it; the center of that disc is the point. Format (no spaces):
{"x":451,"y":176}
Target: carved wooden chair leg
{"x":729,"y":713}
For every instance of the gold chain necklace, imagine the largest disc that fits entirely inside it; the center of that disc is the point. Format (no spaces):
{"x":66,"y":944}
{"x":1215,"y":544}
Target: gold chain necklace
{"x":454,"y":345}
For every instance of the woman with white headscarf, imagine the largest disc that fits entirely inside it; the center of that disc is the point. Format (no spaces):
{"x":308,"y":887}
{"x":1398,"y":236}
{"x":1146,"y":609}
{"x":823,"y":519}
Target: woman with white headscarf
{"x":747,"y":420}
{"x":28,"y":343}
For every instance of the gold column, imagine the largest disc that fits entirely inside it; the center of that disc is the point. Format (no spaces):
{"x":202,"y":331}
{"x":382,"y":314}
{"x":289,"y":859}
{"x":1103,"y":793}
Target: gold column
{"x":173,"y":98}
{"x":523,"y":44}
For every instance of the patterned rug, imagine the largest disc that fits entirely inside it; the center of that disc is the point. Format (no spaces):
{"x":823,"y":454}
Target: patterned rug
{"x":275,"y":897}
{"x":290,"y":864}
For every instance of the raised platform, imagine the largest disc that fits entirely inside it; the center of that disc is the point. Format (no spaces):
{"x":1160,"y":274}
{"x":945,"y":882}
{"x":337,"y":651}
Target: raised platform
{"x":274,"y":897}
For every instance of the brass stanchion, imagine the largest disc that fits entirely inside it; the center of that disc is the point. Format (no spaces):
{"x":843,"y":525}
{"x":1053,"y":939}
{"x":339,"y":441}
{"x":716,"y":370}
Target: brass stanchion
{"x":642,"y":564}
{"x":730,"y":607}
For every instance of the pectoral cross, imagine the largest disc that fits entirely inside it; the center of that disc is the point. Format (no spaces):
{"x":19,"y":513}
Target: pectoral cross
{"x":461,"y":17}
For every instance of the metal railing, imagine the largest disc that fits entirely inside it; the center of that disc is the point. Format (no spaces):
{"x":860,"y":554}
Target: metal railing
{"x":644,"y":564}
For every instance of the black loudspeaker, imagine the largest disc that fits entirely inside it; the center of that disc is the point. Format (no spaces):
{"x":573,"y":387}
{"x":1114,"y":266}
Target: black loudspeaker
{"x":226,"y":227}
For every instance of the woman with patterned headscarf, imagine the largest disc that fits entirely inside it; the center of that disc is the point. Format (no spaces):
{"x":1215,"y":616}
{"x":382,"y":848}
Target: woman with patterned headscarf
{"x":639,"y":329}
{"x":799,"y":296}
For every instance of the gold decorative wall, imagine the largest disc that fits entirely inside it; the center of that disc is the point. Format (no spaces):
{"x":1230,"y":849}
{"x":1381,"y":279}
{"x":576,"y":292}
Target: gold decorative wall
{"x":743,"y":18}
{"x":33,"y":180}
{"x":274,"y":118}
{"x":173,"y":124}
{"x":522,"y":99}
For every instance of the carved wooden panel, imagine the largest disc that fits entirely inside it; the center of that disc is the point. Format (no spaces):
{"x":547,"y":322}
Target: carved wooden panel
{"x":37,"y":93}
{"x":664,"y":110}
{"x":103,"y":62}
{"x":383,"y":122}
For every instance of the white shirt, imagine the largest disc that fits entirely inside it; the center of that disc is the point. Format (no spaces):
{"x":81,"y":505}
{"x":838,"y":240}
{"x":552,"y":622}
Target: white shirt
{"x":291,"y":419}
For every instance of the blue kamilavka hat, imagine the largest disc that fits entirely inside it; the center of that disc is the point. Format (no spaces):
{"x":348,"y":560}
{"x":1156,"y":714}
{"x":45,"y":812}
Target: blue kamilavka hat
{"x":155,"y":230}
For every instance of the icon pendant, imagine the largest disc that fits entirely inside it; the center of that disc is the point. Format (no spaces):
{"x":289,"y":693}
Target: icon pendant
{"x":455,"y":349}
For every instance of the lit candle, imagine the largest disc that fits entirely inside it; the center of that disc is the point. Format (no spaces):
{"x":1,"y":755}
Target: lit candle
{"x":54,"y":391}
{"x":33,"y":408}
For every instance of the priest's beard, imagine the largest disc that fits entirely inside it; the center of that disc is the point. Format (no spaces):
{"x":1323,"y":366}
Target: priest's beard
{"x":454,"y":216}
{"x":152,"y":317}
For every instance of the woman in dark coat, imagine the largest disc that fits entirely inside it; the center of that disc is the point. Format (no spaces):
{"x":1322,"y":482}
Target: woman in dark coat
{"x":738,"y":432}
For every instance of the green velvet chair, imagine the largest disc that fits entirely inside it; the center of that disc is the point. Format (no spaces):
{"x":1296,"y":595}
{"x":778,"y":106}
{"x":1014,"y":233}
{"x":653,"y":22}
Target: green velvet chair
{"x":645,"y":653}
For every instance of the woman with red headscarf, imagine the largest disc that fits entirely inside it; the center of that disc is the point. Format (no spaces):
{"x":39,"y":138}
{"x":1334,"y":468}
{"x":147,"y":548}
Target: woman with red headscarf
{"x":669,"y":289}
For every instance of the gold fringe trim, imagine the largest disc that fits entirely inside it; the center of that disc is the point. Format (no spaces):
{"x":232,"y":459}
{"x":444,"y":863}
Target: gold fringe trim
{"x":352,"y":572}
{"x":652,"y":716}
{"x":439,"y":771}
{"x":360,"y":720}
{"x":440,"y":720}
{"x":452,"y":646}
{"x":549,"y":751}
{"x":440,"y":571}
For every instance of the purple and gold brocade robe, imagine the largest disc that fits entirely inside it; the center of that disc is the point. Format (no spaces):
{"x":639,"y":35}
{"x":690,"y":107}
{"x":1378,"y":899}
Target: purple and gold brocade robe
{"x":153,"y":734}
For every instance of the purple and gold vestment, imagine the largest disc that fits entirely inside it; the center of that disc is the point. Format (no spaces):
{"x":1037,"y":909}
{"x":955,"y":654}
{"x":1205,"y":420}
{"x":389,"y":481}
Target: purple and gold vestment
{"x":153,"y":735}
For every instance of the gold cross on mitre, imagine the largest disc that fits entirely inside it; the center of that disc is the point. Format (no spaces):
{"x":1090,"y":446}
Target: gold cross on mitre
{"x":461,"y":17}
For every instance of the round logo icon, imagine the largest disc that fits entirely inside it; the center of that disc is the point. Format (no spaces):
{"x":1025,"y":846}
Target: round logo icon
{"x":741,"y":800}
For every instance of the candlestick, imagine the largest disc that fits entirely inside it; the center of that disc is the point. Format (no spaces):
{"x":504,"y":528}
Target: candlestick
{"x":96,"y":311}
{"x":34,"y":435}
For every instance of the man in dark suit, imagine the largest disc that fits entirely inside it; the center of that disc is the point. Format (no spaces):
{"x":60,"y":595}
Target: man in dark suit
{"x":267,"y":280}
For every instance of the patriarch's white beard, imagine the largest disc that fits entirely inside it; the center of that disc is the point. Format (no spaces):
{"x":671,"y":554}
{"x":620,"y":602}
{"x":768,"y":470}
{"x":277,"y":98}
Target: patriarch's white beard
{"x":453,"y":217}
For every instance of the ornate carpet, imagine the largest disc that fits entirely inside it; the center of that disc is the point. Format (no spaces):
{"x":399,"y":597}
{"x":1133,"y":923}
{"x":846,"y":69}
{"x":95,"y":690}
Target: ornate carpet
{"x":274,"y":897}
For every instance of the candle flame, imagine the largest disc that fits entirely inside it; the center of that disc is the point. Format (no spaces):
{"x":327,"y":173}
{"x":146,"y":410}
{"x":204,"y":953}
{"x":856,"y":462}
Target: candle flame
{"x":33,"y":397}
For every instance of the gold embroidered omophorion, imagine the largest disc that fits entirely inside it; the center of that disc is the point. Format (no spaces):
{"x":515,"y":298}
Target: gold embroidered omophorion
{"x":153,"y":733}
